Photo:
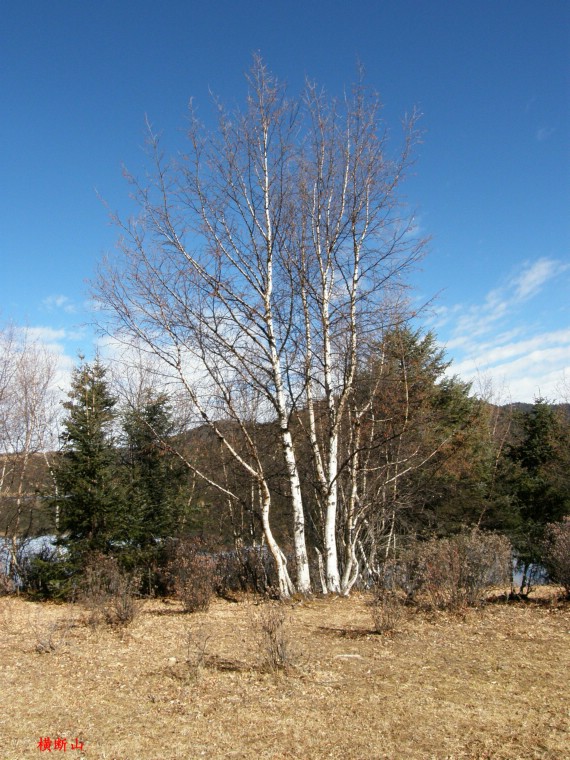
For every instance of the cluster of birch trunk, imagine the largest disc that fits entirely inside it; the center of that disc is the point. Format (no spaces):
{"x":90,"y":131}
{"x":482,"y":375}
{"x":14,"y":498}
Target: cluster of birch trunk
{"x":265,"y":264}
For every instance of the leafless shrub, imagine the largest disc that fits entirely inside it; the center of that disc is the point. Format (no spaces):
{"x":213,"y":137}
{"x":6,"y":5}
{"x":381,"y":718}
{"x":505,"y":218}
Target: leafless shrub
{"x":556,"y":553}
{"x":450,"y":573}
{"x":197,"y":640}
{"x":192,"y":575}
{"x":188,"y":668}
{"x":7,"y":585}
{"x":108,"y":593}
{"x":122,"y":608}
{"x":270,"y":628}
{"x":250,"y":569}
{"x":387,"y":610}
{"x":51,"y":635}
{"x":46,"y":641}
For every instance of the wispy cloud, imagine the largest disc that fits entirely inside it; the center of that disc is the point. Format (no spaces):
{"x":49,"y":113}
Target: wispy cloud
{"x":59,"y":302}
{"x":527,"y":375}
{"x":545,"y":133}
{"x":46,"y":335}
{"x":532,"y":279}
{"x":530,"y":104}
{"x":555,"y":345}
{"x":477,"y":320}
{"x":500,"y":337}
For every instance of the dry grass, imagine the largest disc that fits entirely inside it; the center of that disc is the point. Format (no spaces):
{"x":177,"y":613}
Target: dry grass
{"x":490,"y":684}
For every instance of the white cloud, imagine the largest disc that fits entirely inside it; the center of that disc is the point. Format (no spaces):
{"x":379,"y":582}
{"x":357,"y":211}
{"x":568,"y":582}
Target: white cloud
{"x":498,"y":338}
{"x":61,"y":302}
{"x":528,"y":369}
{"x":532,"y":279}
{"x":500,"y":355}
{"x":45,"y":334}
{"x":530,"y":356}
{"x":479,"y":319}
{"x":545,"y":133}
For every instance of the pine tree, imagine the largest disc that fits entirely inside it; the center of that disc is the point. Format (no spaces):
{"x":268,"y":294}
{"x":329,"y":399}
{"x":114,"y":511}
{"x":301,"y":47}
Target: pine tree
{"x":89,"y":496}
{"x":419,"y":421}
{"x":540,"y":482}
{"x":154,"y":475}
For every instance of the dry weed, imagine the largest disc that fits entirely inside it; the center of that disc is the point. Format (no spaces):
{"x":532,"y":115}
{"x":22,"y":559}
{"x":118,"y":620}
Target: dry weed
{"x":270,"y":630}
{"x":198,"y":637}
{"x":483,"y":686}
{"x":387,"y":610}
{"x":192,"y":575}
{"x":108,"y":593}
{"x":7,"y":585}
{"x":557,"y":553}
{"x":50,"y":635}
{"x":450,"y":573}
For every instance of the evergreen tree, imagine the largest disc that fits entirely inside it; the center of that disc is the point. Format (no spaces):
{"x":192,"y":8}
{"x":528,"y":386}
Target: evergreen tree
{"x":438,"y":423}
{"x":420,"y":422}
{"x":89,"y":496}
{"x":155,"y":476}
{"x":540,"y":483}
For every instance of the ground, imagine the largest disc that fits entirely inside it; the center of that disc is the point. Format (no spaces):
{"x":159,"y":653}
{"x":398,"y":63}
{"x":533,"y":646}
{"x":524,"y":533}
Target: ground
{"x":490,"y":683}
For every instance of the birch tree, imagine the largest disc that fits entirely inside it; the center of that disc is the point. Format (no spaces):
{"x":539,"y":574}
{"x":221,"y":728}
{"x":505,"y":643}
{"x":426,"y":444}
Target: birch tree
{"x":259,"y":264}
{"x":28,"y":412}
{"x":355,"y":244}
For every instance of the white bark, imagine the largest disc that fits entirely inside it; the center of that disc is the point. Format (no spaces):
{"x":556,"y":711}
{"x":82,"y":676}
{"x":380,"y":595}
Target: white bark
{"x":27,"y":423}
{"x":351,"y":252}
{"x":261,"y":262}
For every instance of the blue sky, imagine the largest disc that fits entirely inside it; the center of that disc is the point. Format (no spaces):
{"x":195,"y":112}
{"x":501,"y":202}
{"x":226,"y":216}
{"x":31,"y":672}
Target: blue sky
{"x":491,"y":183}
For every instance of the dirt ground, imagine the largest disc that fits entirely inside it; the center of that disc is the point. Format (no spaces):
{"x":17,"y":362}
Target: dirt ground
{"x":492,"y":683}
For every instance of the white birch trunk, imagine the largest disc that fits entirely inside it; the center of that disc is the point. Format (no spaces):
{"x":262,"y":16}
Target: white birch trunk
{"x":301,"y":558}
{"x":331,"y":553}
{"x":299,"y":541}
{"x":286,"y":587}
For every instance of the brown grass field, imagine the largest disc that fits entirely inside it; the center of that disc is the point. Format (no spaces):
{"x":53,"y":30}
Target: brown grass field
{"x":490,"y":683}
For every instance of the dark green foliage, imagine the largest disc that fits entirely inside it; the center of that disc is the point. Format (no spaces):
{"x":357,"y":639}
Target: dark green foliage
{"x":423,"y":430}
{"x":556,"y":553}
{"x":540,"y":438}
{"x":154,"y":482}
{"x":49,"y":575}
{"x":90,"y":499}
{"x":540,"y":480}
{"x":155,"y":474}
{"x":120,"y":501}
{"x":467,"y":487}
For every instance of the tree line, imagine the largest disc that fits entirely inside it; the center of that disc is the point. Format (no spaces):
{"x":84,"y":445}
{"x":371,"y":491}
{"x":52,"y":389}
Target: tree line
{"x":130,"y":477}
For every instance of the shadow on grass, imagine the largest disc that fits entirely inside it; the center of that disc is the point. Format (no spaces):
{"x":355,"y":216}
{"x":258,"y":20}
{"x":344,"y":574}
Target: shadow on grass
{"x":347,"y":633}
{"x":558,"y":600}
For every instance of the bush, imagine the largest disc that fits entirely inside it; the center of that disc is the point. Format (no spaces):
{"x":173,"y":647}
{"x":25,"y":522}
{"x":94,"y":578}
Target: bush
{"x":7,"y":585}
{"x":387,"y":611}
{"x":270,"y":626}
{"x":450,"y":573}
{"x":556,"y":553}
{"x":108,"y":592}
{"x":48,"y":575}
{"x":192,"y":574}
{"x":249,"y":569}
